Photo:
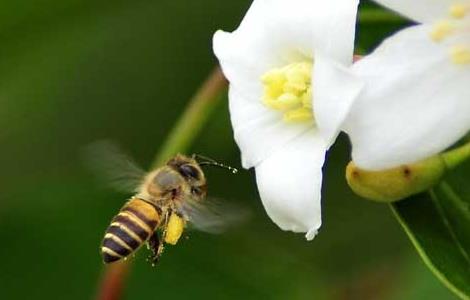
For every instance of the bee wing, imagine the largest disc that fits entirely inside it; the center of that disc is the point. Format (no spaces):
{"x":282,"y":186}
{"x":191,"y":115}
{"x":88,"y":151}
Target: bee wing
{"x":113,"y":166}
{"x":214,"y":215}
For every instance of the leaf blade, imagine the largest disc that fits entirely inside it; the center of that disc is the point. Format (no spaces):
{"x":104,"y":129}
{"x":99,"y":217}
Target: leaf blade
{"x":437,"y":228}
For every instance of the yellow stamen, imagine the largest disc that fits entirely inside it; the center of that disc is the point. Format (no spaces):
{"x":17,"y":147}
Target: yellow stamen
{"x":460,"y":55}
{"x":458,"y":11}
{"x":288,"y":89}
{"x":285,"y":101}
{"x":441,"y":30}
{"x":298,"y":115}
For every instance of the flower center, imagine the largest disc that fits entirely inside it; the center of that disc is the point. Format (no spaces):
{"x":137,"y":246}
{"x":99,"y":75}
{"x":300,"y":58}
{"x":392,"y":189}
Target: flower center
{"x":289,"y":90}
{"x":456,"y":23}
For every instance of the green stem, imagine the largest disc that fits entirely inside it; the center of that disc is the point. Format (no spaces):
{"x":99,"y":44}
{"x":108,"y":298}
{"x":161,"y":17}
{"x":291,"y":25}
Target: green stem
{"x":456,"y":156}
{"x":378,"y":16}
{"x":194,"y":117}
{"x":180,"y":138}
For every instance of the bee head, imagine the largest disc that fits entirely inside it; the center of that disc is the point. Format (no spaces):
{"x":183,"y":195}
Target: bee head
{"x":191,"y":171}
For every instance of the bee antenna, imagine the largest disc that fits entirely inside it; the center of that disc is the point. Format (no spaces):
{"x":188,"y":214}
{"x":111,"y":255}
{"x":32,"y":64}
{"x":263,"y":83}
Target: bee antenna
{"x":206,"y":161}
{"x":216,"y":164}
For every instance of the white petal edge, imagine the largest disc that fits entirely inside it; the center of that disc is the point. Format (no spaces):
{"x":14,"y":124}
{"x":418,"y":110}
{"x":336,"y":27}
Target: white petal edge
{"x":258,"y":130}
{"x":334,"y":28}
{"x":421,"y":11}
{"x":414,"y":104}
{"x":289,"y":182}
{"x":335,"y":89}
{"x":275,"y":33}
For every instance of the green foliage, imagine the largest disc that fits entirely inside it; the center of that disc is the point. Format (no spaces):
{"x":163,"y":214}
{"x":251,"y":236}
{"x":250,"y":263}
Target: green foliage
{"x":438,"y":224}
{"x":73,"y":72}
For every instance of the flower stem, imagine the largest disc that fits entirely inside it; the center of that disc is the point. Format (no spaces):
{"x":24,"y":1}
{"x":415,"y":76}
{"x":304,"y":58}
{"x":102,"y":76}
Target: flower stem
{"x":194,"y":117}
{"x":456,"y":156}
{"x":112,"y":283}
{"x":180,"y":138}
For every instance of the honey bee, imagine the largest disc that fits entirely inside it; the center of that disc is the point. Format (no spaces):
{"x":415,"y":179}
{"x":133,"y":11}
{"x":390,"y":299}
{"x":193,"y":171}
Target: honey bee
{"x":166,"y":200}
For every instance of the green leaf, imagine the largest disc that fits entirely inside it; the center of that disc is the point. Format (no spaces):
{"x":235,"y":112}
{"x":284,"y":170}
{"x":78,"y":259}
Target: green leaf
{"x":438,"y":225}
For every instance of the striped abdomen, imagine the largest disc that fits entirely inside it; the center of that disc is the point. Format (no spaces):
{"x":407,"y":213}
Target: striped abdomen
{"x":132,"y":226}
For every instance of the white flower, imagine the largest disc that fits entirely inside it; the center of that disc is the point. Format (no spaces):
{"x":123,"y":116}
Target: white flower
{"x":416,"y":99}
{"x":280,"y":66}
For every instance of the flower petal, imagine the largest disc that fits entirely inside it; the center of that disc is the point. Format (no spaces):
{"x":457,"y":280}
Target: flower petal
{"x":415,"y":102}
{"x":275,"y":33}
{"x":289,"y":182}
{"x":258,"y":130}
{"x":335,"y":89}
{"x":334,"y":27}
{"x":420,"y":10}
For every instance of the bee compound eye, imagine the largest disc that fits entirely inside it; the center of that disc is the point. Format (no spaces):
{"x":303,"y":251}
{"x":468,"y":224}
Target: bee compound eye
{"x":196,"y":190}
{"x":189,"y":171}
{"x":199,"y":191}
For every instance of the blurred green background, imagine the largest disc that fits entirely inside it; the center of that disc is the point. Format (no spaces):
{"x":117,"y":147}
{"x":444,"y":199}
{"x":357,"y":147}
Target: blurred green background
{"x":73,"y":72}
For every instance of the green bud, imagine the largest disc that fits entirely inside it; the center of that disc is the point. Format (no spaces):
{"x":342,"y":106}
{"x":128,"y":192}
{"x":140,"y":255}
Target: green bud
{"x":396,"y":183}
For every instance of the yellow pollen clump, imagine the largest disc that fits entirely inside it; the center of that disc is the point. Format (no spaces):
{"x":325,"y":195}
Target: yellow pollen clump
{"x":459,"y":11}
{"x":174,"y":229}
{"x":441,"y":30}
{"x":288,"y":89}
{"x":460,"y":55}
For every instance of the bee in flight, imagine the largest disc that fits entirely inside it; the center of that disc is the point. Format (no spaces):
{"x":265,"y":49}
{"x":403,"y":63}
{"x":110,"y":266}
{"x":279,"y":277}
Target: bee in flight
{"x":166,"y":200}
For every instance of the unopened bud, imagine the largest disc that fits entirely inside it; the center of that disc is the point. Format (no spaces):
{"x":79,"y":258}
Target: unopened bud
{"x":396,"y":183}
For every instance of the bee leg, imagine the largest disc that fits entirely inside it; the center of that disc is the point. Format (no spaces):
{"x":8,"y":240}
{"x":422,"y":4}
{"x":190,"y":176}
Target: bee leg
{"x":165,"y":225}
{"x":156,"y":246}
